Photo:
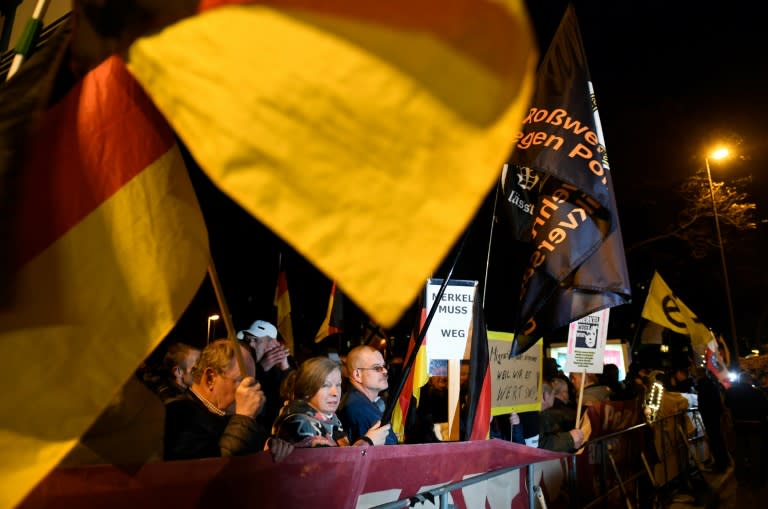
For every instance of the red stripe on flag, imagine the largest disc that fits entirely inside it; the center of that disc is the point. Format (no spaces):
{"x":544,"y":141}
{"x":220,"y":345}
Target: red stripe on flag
{"x":282,"y":285}
{"x":88,"y":172}
{"x":404,"y":399}
{"x":447,"y":20}
{"x":482,"y":424}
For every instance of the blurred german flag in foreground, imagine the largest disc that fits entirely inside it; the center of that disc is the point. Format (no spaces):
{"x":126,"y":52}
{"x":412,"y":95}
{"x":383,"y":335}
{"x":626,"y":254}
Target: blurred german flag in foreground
{"x":364,"y":134}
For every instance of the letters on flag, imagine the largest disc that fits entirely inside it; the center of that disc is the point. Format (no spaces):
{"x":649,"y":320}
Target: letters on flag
{"x":558,"y":187}
{"x":314,"y":148}
{"x":110,"y":249}
{"x":664,"y":308}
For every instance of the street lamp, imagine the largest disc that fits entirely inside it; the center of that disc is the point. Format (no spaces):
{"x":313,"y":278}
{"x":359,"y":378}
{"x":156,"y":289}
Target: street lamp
{"x":211,"y":318}
{"x":721,"y":153}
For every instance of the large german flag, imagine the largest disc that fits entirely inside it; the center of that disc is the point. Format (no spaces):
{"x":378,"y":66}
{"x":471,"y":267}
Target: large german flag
{"x":110,"y":249}
{"x":365,"y":134}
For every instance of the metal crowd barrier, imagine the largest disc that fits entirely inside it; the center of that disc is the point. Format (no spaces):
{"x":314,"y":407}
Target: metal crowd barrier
{"x":622,"y":459}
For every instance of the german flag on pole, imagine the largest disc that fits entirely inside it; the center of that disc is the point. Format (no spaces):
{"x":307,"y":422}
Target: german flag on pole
{"x":110,"y":249}
{"x":333,"y":323}
{"x":417,"y":378}
{"x":478,"y":414}
{"x":296,"y":109}
{"x":283,"y":304}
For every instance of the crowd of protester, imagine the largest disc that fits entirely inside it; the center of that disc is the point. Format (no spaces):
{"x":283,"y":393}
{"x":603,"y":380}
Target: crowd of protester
{"x":215,"y":408}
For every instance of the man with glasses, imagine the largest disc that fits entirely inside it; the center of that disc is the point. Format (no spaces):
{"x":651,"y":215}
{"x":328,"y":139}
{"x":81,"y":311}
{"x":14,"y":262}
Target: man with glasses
{"x":361,"y":407}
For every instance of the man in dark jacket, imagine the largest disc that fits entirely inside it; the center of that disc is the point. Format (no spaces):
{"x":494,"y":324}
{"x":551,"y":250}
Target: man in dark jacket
{"x":217,"y":416}
{"x":361,"y":407}
{"x":557,"y":424}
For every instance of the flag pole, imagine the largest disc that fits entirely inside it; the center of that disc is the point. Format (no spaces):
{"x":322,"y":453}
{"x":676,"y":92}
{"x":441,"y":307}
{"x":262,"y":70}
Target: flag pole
{"x":225,"y":314}
{"x":387,"y":416}
{"x":640,"y":325}
{"x":490,"y":241}
{"x":581,"y":396}
{"x":29,"y":37}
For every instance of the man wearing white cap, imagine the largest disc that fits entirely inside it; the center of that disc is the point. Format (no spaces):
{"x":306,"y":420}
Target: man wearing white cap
{"x":272,"y":365}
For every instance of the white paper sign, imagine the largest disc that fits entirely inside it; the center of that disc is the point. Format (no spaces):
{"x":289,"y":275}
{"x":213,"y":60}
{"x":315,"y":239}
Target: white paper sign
{"x":447,"y":334}
{"x":586,"y":343}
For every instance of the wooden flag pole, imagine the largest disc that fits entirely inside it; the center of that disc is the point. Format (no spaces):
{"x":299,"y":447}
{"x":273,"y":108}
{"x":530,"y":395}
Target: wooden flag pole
{"x":581,"y":395}
{"x":225,"y":315}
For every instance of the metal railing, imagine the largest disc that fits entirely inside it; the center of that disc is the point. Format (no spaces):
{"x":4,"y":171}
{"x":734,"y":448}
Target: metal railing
{"x":621,"y":471}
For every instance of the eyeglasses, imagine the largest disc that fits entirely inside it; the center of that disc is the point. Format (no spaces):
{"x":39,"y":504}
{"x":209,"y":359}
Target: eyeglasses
{"x":378,"y":369}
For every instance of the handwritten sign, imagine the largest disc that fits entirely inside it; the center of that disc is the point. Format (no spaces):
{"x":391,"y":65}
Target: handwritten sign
{"x":586,"y":343}
{"x":448,"y":333}
{"x":515,"y":381}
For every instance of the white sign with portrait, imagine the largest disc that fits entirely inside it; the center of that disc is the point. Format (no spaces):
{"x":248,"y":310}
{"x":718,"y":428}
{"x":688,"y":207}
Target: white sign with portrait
{"x":586,"y":343}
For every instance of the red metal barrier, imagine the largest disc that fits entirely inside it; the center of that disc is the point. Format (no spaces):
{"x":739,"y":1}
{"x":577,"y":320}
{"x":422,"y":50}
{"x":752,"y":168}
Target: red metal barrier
{"x":344,"y":477}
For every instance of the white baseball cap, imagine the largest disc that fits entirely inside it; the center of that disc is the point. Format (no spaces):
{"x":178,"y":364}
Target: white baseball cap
{"x":259,"y":328}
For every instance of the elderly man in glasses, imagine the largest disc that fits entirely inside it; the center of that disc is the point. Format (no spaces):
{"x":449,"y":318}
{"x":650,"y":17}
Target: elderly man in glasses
{"x":361,"y":407}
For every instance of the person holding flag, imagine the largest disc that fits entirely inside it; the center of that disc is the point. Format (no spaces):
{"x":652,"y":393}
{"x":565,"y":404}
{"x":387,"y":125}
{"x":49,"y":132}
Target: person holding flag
{"x":361,"y":407}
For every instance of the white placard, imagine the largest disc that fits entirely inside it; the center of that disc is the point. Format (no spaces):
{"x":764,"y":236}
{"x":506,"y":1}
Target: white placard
{"x":447,"y":334}
{"x":586,"y":343}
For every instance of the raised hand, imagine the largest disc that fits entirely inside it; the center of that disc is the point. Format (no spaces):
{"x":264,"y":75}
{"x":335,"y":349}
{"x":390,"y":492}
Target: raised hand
{"x":249,"y":399}
{"x":275,"y":355}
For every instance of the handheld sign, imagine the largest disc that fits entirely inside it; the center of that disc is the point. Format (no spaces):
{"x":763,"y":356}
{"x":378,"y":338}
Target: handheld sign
{"x":447,"y":334}
{"x":586,"y":343}
{"x":515,"y":381}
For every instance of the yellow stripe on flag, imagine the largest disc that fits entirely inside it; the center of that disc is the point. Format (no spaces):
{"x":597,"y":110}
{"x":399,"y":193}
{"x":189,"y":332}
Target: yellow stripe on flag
{"x":282,"y":302}
{"x":357,"y":139}
{"x":97,"y":299}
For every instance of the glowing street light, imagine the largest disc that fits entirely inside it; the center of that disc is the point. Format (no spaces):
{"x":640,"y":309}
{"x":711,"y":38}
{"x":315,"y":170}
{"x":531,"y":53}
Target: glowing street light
{"x":211,"y":318}
{"x":717,"y":154}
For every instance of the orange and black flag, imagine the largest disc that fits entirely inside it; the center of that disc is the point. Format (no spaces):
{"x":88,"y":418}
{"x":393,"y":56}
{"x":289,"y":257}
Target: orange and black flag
{"x":283,"y":304}
{"x":334,"y":317}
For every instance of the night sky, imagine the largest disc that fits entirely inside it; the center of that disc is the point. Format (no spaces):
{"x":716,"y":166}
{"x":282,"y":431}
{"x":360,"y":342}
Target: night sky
{"x":670,"y":78}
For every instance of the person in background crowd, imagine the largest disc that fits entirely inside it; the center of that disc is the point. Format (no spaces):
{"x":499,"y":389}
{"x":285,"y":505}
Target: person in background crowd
{"x":551,"y":369}
{"x":217,"y":416}
{"x":560,"y":391}
{"x":272,"y":365}
{"x":711,"y":409}
{"x":432,"y":411}
{"x":309,"y":419}
{"x":556,"y":424}
{"x":593,"y":390}
{"x":361,"y":407}
{"x":174,"y":375}
{"x":749,"y":409}
{"x":609,"y":377}
{"x":680,"y":380}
